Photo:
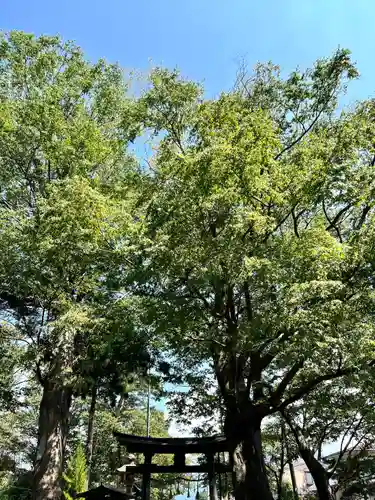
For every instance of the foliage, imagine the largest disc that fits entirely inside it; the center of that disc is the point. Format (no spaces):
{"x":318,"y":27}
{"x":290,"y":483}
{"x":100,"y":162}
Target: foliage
{"x":129,"y":416}
{"x":19,"y":487}
{"x":67,"y":185}
{"x":342,"y":414}
{"x":354,"y":476}
{"x":260,"y":235}
{"x":18,"y":439}
{"x":241,"y":264}
{"x":221,"y":223}
{"x":57,"y":226}
{"x":76,"y":474}
{"x":287,"y":492}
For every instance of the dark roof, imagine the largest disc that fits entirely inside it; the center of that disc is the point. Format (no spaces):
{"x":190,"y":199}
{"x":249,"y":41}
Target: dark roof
{"x":111,"y":491}
{"x":141,"y":444}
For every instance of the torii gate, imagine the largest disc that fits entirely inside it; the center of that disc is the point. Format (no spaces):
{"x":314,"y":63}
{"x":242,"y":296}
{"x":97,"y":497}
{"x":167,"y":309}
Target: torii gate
{"x":179,"y":447}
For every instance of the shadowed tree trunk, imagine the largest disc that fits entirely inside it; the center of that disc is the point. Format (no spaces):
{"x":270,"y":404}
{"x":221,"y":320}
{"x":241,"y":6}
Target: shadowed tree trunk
{"x":292,"y":474}
{"x":52,"y":433}
{"x":90,"y":433}
{"x":282,"y":463}
{"x":249,"y":473}
{"x":318,"y":473}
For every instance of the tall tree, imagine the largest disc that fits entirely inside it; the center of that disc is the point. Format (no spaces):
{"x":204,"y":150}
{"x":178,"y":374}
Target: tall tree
{"x":117,"y":361}
{"x":64,"y":127}
{"x":260,"y":224}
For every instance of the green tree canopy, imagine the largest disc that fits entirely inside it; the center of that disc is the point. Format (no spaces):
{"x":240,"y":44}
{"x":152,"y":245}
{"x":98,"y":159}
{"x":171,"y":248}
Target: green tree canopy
{"x":260,"y":232}
{"x":67,"y":185}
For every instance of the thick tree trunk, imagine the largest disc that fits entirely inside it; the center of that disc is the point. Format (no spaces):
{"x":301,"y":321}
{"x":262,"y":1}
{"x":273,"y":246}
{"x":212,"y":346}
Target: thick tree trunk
{"x":249,"y":473}
{"x":90,"y":433}
{"x":319,"y":474}
{"x":52,"y":433}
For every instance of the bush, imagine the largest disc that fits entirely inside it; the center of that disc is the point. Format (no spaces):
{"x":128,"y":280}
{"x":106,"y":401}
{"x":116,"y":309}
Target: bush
{"x":76,"y":475}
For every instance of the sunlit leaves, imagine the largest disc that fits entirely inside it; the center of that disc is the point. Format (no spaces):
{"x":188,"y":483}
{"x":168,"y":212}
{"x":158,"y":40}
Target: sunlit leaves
{"x":257,"y":206}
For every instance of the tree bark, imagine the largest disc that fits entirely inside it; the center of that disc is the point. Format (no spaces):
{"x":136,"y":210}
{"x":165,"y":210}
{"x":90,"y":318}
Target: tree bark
{"x":293,"y":479}
{"x":53,"y":423}
{"x":318,"y":473}
{"x":90,"y":433}
{"x":290,"y":465}
{"x":249,"y":473}
{"x":282,"y":463}
{"x":211,"y":478}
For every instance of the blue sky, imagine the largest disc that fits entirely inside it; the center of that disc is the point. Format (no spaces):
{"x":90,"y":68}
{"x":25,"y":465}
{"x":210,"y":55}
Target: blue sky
{"x":206,"y":38}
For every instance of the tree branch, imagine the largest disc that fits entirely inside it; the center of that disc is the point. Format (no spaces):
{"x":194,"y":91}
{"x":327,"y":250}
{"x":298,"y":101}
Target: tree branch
{"x":249,"y":308}
{"x":296,"y":141}
{"x":295,"y":223}
{"x":332,"y":224}
{"x":340,"y":213}
{"x":39,"y":375}
{"x":210,"y":339}
{"x":362,"y":219}
{"x":267,"y":358}
{"x":344,"y":449}
{"x":309,"y":386}
{"x":286,"y":380}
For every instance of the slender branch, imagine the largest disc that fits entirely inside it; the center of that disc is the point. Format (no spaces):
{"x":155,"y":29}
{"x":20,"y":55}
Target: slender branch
{"x":209,"y":339}
{"x":20,"y":382}
{"x":268,"y":357}
{"x":175,"y":136}
{"x":365,"y":211}
{"x":278,"y":225}
{"x":340,"y":213}
{"x":312,"y":124}
{"x":247,"y":232}
{"x":282,"y":464}
{"x":310,"y":386}
{"x":323,"y":436}
{"x":295,"y":223}
{"x":298,"y":139}
{"x":5,"y":203}
{"x":293,"y":427}
{"x":286,"y":380}
{"x":346,"y":447}
{"x":249,"y":308}
{"x":331,"y":223}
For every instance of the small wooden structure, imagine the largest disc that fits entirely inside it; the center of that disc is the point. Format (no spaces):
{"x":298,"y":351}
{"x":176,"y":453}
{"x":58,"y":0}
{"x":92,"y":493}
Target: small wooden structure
{"x":179,"y":447}
{"x":104,"y":492}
